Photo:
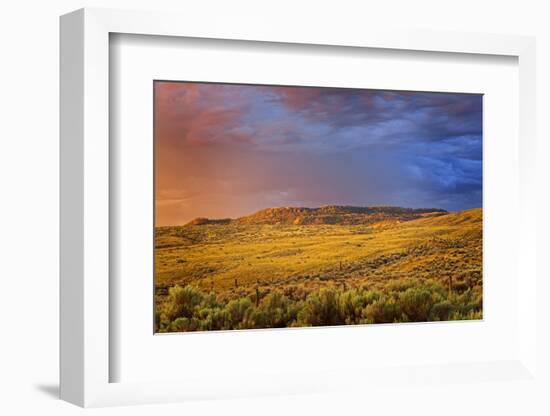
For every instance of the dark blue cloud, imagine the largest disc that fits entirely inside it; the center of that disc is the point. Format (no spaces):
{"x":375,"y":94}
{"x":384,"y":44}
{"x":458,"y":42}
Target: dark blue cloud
{"x":432,"y":141}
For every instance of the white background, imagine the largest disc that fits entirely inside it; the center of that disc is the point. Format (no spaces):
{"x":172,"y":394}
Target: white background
{"x":29,"y":209}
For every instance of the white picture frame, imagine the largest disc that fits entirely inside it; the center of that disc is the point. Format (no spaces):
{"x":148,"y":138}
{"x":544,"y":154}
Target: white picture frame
{"x":85,"y":354}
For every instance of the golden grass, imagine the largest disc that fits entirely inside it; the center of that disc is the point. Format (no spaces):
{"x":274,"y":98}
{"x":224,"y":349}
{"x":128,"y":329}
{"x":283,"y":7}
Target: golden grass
{"x":214,"y":256}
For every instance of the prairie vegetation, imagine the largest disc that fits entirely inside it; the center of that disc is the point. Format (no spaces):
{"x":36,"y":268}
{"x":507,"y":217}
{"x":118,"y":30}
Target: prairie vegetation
{"x":291,"y":267}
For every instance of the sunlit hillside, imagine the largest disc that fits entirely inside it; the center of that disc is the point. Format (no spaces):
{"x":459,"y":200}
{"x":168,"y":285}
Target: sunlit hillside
{"x":369,"y":265}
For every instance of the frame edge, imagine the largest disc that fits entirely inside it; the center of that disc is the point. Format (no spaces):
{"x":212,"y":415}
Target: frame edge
{"x":84,"y":150}
{"x":71,"y":221}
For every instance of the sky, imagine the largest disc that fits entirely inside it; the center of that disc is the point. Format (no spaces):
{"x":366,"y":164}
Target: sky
{"x":228,"y":150}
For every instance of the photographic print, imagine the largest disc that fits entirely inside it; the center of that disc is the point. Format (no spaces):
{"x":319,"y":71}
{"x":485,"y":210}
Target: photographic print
{"x":291,"y":206}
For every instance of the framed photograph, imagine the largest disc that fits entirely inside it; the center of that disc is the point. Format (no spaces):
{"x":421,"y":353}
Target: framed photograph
{"x":288,"y":207}
{"x":270,"y":212}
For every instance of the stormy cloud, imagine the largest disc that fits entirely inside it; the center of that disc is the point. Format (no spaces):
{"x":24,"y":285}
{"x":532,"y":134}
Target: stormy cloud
{"x":227,"y":150}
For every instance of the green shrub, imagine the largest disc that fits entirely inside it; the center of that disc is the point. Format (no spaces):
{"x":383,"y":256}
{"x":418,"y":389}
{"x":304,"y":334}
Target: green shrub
{"x":416,"y":304}
{"x":321,"y":308}
{"x":352,"y":302}
{"x":441,"y":311}
{"x":182,"y":302}
{"x":235,"y":312}
{"x":255,"y":318}
{"x":211,"y":318}
{"x":276,"y":309}
{"x":382,"y":311}
{"x":188,"y":309}
{"x":184,"y":324}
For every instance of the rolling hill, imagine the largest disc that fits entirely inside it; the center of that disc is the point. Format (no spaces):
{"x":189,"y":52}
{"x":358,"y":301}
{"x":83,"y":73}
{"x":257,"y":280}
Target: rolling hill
{"x":269,"y":246}
{"x":393,"y":265}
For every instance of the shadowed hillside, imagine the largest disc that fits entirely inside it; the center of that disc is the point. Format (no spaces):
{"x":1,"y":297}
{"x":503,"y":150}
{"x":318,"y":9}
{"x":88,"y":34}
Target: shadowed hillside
{"x":328,"y":214}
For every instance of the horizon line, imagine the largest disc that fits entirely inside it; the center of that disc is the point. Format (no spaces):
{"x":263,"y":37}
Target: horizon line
{"x":314,"y":208}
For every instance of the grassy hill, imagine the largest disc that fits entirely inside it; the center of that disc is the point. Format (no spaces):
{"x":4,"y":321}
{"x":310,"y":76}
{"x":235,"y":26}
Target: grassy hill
{"x":298,"y":253}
